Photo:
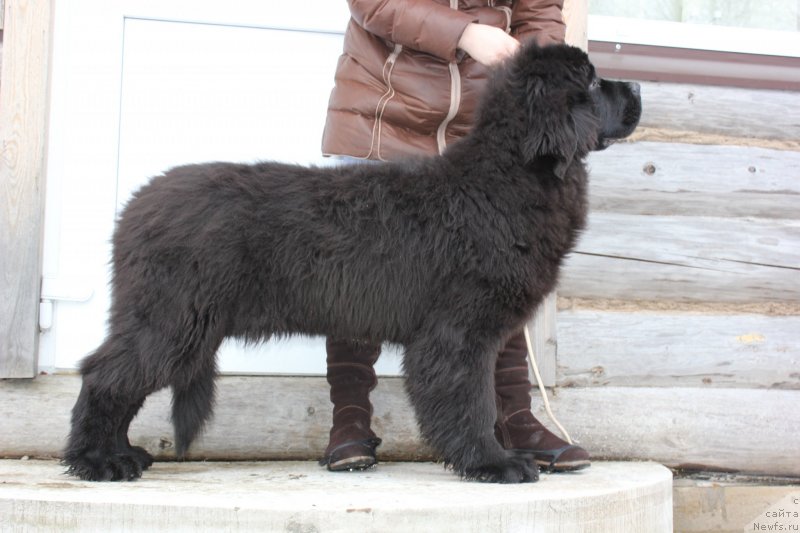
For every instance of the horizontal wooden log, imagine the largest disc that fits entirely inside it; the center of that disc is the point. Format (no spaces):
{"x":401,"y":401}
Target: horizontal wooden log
{"x":632,"y":257}
{"x":746,"y":430}
{"x":730,"y":111}
{"x":644,"y":134}
{"x":658,"y":349}
{"x":652,"y":178}
{"x":255,"y":417}
{"x":670,"y":306}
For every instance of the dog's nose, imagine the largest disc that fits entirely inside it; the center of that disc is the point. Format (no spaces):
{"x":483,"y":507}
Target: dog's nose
{"x":636,"y":89}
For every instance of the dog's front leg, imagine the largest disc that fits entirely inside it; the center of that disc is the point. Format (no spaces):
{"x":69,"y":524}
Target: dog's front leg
{"x":450,"y":381}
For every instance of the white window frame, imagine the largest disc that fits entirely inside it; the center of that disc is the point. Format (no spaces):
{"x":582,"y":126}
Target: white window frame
{"x":694,"y":36}
{"x":668,"y":51}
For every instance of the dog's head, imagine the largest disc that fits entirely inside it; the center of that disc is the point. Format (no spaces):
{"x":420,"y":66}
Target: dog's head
{"x":568,"y":109}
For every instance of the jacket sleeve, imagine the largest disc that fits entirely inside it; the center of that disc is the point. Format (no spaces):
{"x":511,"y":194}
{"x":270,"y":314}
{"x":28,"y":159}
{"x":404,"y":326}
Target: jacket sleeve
{"x":538,"y":19}
{"x":423,"y":25}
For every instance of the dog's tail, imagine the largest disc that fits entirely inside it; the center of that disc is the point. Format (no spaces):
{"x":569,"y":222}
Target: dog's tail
{"x":192,"y":406}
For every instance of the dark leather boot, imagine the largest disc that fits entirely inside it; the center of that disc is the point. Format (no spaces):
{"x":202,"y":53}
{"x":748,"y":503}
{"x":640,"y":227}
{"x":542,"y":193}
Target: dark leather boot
{"x":516,"y":427}
{"x":351,"y":376}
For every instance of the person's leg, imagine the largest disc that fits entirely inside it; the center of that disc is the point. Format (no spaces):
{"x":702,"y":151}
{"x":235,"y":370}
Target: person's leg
{"x":351,"y":376}
{"x":516,"y":427}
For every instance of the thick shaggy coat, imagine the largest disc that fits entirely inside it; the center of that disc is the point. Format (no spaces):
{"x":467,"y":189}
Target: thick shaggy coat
{"x":443,"y":255}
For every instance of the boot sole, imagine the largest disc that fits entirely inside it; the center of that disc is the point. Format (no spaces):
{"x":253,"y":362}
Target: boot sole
{"x":563,"y":467}
{"x":360,"y":462}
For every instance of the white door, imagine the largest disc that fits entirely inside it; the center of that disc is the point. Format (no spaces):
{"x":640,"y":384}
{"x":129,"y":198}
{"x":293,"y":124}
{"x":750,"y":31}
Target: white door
{"x":141,"y":86}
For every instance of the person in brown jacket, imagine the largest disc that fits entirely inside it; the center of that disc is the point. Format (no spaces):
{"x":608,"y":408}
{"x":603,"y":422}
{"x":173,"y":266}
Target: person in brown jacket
{"x":408,"y":83}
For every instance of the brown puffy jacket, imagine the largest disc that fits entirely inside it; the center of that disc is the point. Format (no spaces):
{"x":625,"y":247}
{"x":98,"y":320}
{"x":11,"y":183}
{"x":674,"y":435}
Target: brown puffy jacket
{"x":403,"y":87}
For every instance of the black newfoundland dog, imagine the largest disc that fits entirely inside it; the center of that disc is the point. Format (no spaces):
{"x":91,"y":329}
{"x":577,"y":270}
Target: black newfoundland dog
{"x":445,"y":255}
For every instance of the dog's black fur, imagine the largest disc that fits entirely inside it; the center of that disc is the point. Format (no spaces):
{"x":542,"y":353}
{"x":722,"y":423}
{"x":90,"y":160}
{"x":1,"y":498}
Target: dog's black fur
{"x":445,"y":256}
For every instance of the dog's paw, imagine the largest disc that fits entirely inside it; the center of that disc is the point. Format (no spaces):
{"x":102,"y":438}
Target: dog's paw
{"x":108,"y":465}
{"x":517,"y":467}
{"x":141,"y":456}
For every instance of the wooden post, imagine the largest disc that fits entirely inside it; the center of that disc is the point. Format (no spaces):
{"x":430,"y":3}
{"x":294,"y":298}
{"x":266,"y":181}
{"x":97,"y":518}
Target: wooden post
{"x":576,"y":17}
{"x":23,"y":132}
{"x":543,"y":326}
{"x":542,"y":330}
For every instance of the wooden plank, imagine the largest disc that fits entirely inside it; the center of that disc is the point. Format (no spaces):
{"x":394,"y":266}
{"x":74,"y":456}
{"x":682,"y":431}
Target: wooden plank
{"x":652,"y":178}
{"x":657,"y":349}
{"x":721,"y":504}
{"x":746,"y":430}
{"x":728,"y":111}
{"x":23,"y":121}
{"x":630,"y":257}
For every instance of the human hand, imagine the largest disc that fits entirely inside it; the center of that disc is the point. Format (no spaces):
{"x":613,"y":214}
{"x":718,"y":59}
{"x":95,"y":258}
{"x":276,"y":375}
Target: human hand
{"x":487,"y":44}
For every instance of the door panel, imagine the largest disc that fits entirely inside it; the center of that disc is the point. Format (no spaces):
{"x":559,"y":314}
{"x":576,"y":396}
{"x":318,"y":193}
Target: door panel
{"x":139,"y":87}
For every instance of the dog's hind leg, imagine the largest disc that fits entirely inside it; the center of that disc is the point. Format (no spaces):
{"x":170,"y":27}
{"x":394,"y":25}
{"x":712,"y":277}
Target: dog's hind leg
{"x":141,"y":456}
{"x":139,"y":357}
{"x":449,"y":380}
{"x":112,"y":392}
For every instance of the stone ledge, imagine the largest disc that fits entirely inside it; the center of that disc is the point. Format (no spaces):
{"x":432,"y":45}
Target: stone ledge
{"x":303,"y":497}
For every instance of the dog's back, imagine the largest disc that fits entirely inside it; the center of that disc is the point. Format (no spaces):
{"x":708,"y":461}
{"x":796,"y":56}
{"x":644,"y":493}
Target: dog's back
{"x":277,"y":248}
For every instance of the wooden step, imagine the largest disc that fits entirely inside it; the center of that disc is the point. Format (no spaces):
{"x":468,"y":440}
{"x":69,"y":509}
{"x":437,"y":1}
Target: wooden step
{"x":608,"y":497}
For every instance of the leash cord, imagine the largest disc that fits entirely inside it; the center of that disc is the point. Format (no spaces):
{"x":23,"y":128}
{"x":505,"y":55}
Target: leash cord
{"x":542,"y":390}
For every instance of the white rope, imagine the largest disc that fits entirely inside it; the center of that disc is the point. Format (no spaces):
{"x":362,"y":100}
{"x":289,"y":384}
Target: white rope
{"x":535,"y":368}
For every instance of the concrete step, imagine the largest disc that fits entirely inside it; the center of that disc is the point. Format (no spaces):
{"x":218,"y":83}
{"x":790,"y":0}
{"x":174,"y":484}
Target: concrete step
{"x":302,"y":497}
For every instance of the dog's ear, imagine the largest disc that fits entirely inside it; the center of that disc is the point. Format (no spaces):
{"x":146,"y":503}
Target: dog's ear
{"x":560,"y":122}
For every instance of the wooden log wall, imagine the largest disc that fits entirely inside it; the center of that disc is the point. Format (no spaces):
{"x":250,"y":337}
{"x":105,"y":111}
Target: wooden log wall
{"x":679,"y":316}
